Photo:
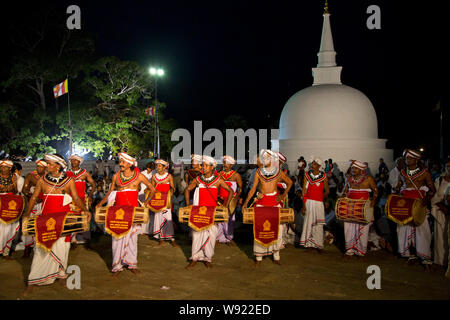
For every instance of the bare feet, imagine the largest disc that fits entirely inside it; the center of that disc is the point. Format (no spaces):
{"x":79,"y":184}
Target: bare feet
{"x":257,"y":264}
{"x":362,"y":258}
{"x":160,"y":243}
{"x":346,"y":257}
{"x":136,"y":271}
{"x":277,"y":262}
{"x":62,"y":282}
{"x":8,"y":258}
{"x":320,"y":251}
{"x":208,"y":264}
{"x":115,"y":274}
{"x":28,"y":290}
{"x":191,"y":264}
{"x":174,"y":244}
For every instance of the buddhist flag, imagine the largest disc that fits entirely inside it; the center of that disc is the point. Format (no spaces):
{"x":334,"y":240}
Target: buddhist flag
{"x":61,"y":89}
{"x":150,"y":111}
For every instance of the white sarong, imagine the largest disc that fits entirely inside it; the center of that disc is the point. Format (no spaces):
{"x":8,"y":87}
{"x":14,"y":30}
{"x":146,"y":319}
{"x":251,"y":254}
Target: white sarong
{"x":419,"y":237}
{"x":48,"y":266}
{"x":356,"y":238}
{"x":163,"y":225}
{"x":312,"y":234}
{"x":203,"y":244}
{"x":7,"y":234}
{"x":125,"y":249}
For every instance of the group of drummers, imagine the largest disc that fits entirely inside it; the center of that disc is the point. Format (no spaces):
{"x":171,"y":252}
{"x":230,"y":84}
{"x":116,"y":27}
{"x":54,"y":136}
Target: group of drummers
{"x":55,"y":209}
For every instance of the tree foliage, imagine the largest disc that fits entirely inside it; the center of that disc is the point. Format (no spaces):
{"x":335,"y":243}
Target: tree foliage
{"x":108,"y":97}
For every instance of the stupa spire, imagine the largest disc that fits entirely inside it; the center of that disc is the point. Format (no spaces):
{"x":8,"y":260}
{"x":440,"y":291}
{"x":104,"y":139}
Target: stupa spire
{"x":326,"y":72}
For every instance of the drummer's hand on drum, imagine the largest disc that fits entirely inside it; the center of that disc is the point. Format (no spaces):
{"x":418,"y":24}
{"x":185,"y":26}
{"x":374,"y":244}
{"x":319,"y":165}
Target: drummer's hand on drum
{"x":372,"y":203}
{"x":303,"y":210}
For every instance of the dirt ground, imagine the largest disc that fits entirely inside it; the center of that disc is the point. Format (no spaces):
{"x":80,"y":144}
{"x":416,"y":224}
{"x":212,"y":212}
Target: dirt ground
{"x":303,"y":275}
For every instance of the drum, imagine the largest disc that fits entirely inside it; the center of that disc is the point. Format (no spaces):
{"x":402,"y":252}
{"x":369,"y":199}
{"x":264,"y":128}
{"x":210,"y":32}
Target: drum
{"x":87,"y":204}
{"x":403,"y":210}
{"x":232,"y":205}
{"x":74,"y":223}
{"x":220,"y":215}
{"x":286,"y":215}
{"x":354,"y":210}
{"x":140,"y":215}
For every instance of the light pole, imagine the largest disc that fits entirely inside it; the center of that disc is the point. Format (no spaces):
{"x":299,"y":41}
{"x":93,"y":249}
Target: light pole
{"x":156,"y":72}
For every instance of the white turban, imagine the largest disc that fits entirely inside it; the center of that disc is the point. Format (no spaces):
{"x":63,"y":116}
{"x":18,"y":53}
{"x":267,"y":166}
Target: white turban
{"x":127,"y":158}
{"x":76,"y":157}
{"x":268,"y":153}
{"x":412,"y":153}
{"x":229,"y":160}
{"x":41,"y":163}
{"x":57,"y":159}
{"x":6,"y":163}
{"x":318,"y":161}
{"x":359,"y":165}
{"x":209,"y":160}
{"x":196,"y":158}
{"x":160,"y":161}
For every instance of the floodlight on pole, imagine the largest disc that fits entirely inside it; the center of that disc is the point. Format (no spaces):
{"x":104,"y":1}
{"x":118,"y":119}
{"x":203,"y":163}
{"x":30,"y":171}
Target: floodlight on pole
{"x":158,"y":73}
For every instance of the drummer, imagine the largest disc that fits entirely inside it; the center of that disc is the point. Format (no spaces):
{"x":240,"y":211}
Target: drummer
{"x":194,"y":172}
{"x":81,"y":176}
{"x":8,"y":184}
{"x":162,"y":180}
{"x":58,"y":192}
{"x":315,"y":190}
{"x":415,"y":183}
{"x":267,"y":178}
{"x":124,"y":191}
{"x":28,"y":188}
{"x":206,"y":190}
{"x":358,"y":186}
{"x":234,"y":180}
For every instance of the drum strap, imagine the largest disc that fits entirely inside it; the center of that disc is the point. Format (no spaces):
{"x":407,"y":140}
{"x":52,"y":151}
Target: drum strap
{"x":415,"y":186}
{"x":207,"y":189}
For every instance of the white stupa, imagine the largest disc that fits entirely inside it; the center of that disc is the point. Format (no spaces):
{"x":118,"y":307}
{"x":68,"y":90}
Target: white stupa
{"x":329,"y":119}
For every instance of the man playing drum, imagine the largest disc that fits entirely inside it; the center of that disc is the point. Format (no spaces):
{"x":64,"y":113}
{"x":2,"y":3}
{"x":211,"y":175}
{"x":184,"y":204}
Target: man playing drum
{"x":58,"y":191}
{"x":8,"y":185}
{"x":267,"y":178}
{"x":315,"y":189}
{"x":163,"y":224}
{"x":28,"y":189}
{"x":81,"y":176}
{"x":206,"y":191}
{"x":358,"y":186}
{"x":124,"y":191}
{"x":415,"y":183}
{"x":234,"y":180}
{"x":195,"y":171}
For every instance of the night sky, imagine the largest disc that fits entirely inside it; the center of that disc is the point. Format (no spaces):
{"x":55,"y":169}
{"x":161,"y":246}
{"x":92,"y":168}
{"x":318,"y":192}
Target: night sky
{"x":249,"y":57}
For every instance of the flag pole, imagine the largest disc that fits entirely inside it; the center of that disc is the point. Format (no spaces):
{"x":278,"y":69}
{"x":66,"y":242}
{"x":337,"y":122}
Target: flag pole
{"x":70,"y":122}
